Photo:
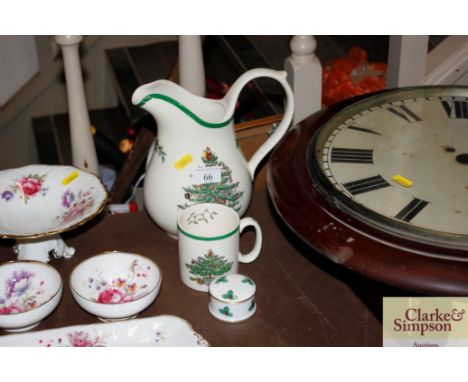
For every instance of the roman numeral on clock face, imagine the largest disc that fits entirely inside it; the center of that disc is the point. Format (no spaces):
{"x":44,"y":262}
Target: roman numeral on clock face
{"x":456,"y":109}
{"x":411,"y":210}
{"x":363,"y":130}
{"x":405,"y":113}
{"x":345,"y":155}
{"x":365,"y":185}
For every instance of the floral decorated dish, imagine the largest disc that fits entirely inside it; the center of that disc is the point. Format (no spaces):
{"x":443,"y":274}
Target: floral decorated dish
{"x":42,"y":200}
{"x":115,"y":285}
{"x":151,"y":331}
{"x":29,"y":292}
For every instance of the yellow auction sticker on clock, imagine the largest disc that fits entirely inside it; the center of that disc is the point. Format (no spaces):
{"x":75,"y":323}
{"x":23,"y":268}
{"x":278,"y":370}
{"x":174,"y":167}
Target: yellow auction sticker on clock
{"x":402,"y":181}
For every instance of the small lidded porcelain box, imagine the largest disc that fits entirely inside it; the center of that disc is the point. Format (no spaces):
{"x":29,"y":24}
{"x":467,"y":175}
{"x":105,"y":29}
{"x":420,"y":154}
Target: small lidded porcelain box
{"x":232,"y":298}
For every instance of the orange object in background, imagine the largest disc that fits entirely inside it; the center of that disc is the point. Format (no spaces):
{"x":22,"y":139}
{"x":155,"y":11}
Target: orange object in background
{"x":126,"y":145}
{"x":351,"y":76}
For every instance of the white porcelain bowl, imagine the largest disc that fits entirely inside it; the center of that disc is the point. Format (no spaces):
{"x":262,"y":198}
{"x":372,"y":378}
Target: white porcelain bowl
{"x":29,"y":292}
{"x":115,"y":285}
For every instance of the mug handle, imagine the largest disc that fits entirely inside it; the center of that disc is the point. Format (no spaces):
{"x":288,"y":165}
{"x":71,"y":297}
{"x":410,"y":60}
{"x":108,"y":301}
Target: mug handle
{"x":253,"y":254}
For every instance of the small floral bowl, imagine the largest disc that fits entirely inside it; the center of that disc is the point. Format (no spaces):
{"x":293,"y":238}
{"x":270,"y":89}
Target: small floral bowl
{"x":29,"y":292}
{"x":115,"y":285}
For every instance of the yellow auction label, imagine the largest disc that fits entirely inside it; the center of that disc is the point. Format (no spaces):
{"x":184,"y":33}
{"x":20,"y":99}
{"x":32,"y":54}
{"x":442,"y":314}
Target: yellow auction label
{"x":183,"y":162}
{"x":425,"y":321}
{"x":402,"y":181}
{"x":70,"y":178}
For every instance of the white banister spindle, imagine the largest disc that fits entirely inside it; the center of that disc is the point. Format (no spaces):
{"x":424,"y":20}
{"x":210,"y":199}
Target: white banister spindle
{"x":305,"y":76}
{"x":82,"y":143}
{"x":191,"y":68}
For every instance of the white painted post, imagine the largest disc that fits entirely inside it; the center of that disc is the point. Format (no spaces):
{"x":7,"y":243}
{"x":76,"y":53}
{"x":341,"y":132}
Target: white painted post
{"x":407,"y":57}
{"x":191,"y":68}
{"x":305,"y":76}
{"x":83,"y":150}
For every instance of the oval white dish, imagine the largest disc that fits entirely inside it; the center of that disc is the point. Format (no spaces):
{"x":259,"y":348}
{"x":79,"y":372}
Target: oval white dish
{"x":162,"y":330}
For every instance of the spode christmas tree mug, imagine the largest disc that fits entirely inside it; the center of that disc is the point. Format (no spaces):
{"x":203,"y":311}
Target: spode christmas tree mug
{"x":208,"y":240}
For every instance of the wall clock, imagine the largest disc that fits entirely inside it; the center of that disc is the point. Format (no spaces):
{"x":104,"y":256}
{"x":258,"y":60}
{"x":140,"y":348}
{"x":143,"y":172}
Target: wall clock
{"x":380,"y":185}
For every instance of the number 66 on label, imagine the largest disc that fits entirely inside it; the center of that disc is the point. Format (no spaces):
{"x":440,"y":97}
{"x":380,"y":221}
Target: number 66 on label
{"x":204,"y":175}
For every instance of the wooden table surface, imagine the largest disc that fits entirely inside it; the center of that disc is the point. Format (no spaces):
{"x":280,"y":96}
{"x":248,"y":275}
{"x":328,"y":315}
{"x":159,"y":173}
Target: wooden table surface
{"x":303,"y":299}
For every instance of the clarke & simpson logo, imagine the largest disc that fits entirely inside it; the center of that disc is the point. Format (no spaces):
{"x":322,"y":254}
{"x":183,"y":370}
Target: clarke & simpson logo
{"x":418,"y":321}
{"x":425,"y":321}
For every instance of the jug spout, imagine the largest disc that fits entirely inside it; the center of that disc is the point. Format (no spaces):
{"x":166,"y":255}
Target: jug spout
{"x":145,"y":93}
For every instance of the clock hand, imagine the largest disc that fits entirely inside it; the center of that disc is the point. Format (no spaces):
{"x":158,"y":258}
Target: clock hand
{"x":462,"y":158}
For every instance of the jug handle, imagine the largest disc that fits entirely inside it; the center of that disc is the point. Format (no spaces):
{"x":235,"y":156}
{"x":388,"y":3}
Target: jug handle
{"x":231,"y":99}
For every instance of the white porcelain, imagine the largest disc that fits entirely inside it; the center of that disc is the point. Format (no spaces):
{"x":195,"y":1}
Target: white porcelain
{"x":152,"y":331}
{"x":196,"y":157}
{"x":39,"y":201}
{"x":41,"y":249}
{"x":232,"y":298}
{"x":208,"y":243}
{"x":29,"y":292}
{"x":115,"y":285}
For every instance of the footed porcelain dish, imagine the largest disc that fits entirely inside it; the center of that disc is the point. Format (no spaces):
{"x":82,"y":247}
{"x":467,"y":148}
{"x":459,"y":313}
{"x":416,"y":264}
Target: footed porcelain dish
{"x":38,"y":202}
{"x":153,"y":331}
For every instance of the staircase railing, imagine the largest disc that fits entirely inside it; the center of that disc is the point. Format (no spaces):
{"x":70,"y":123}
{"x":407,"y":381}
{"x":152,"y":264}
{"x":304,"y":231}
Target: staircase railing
{"x":410,"y":64}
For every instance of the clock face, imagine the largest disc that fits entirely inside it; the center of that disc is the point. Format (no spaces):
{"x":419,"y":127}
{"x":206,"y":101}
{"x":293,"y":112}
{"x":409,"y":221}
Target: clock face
{"x":399,"y":162}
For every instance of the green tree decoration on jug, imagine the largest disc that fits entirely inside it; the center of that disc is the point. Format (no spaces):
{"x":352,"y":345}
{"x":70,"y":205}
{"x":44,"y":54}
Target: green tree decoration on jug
{"x":208,"y":267}
{"x":224,"y":192}
{"x":158,"y":149}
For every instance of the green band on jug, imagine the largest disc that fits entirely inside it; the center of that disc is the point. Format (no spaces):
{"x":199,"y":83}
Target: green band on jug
{"x":185,"y":110}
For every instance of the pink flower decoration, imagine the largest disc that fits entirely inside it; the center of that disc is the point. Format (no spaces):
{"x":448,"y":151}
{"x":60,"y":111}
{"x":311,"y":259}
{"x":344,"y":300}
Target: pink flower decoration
{"x":12,"y":309}
{"x":30,"y":186}
{"x":112,"y":296}
{"x":79,"y":339}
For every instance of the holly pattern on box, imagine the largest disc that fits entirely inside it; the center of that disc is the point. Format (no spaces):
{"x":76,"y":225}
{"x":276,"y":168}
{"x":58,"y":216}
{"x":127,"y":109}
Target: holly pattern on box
{"x":224,"y":192}
{"x":206,"y":268}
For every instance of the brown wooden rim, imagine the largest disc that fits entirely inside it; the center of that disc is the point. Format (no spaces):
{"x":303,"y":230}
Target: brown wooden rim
{"x":372,"y":253}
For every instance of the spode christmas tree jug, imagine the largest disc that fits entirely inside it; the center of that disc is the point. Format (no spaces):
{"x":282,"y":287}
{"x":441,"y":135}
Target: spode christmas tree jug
{"x":195,"y":158}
